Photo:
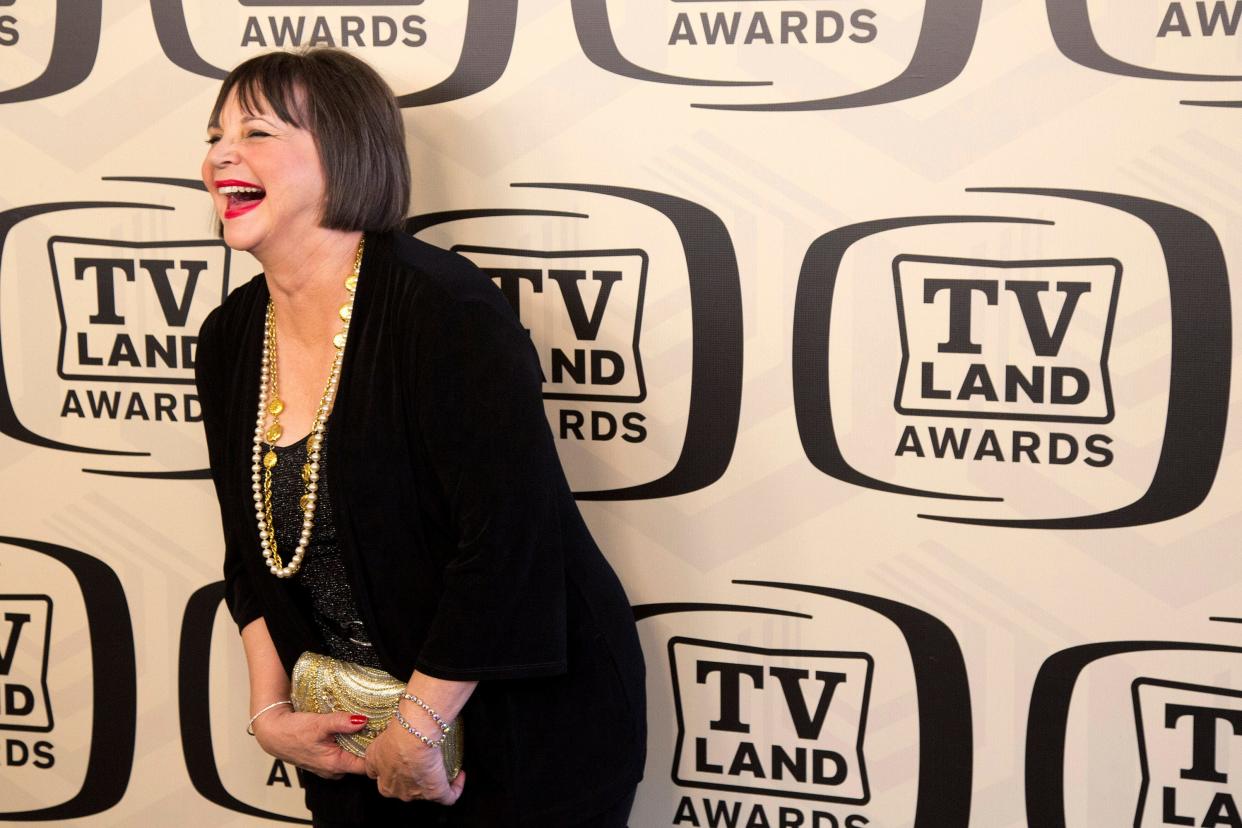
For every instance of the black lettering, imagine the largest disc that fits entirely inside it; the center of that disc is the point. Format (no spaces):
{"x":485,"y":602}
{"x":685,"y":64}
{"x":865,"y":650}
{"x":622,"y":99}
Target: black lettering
{"x":1055,"y":457}
{"x":682,"y":30}
{"x":585,"y":327}
{"x":1032,"y":387}
{"x":386,"y":39}
{"x":175,"y":312}
{"x":123,"y":350}
{"x":510,"y":280}
{"x":157,"y":352}
{"x":607,"y":430}
{"x":571,"y":421}
{"x":1097,"y":444}
{"x":279,"y":774}
{"x":793,"y":23}
{"x":189,"y":348}
{"x":929,"y":389}
{"x":730,"y":691}
{"x":977,"y":383}
{"x":1082,"y":385}
{"x":838,"y":763}
{"x":758,"y":30}
{"x":253,"y":34}
{"x":1174,"y":21}
{"x":823,"y":819}
{"x":285,"y":31}
{"x":718,"y":814}
{"x":104,"y":403}
{"x":321,"y":33}
{"x":599,"y":374}
{"x":1222,"y":811}
{"x":807,"y":726}
{"x":43,"y":754}
{"x":1025,"y":442}
{"x":137,"y":409}
{"x":352,"y":26}
{"x":165,"y":404}
{"x":16,"y":620}
{"x":862,"y":22}
{"x":16,"y":753}
{"x":685,"y":813}
{"x":413,"y":26}
{"x":8,"y":30}
{"x":700,"y":758}
{"x":1046,"y":344}
{"x":989,"y":446}
{"x":856,"y":821}
{"x":1203,"y":737}
{"x":563,"y":364}
{"x":635,"y":431}
{"x":719,"y":27}
{"x":105,"y":286}
{"x":747,"y":759}
{"x":84,"y":357}
{"x":18,"y":700}
{"x":758,"y":818}
{"x":838,"y":26}
{"x":72,"y":405}
{"x":1219,"y":17}
{"x":960,"y":290}
{"x":192,"y":410}
{"x":950,"y":441}
{"x":909,"y":443}
{"x":782,"y":761}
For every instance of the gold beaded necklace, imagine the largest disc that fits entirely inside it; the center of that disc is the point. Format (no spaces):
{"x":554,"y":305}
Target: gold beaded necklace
{"x":271,"y":405}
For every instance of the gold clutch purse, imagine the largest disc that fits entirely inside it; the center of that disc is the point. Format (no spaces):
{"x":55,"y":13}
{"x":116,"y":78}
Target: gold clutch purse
{"x":322,"y":684}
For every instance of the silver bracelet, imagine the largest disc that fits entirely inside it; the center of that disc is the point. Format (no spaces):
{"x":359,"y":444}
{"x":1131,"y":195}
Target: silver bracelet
{"x":262,"y":710}
{"x":444,"y":726}
{"x":401,"y":720}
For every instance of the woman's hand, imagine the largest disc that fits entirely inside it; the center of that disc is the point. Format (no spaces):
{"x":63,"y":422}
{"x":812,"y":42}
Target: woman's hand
{"x":308,"y":741}
{"x":404,"y":768}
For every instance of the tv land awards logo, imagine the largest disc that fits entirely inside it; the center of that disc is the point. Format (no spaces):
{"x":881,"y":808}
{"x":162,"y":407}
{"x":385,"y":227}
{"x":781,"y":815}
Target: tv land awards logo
{"x":585,"y":288}
{"x":766,"y":727}
{"x":66,"y":737}
{"x":755,"y":57}
{"x":1181,"y":40}
{"x":1187,"y":737}
{"x":111,"y":367}
{"x":1168,"y":731}
{"x":429,"y":52}
{"x":1002,"y":367}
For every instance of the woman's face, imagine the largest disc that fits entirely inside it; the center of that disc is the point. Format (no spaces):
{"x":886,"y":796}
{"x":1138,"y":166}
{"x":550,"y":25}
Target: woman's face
{"x":265,"y":178}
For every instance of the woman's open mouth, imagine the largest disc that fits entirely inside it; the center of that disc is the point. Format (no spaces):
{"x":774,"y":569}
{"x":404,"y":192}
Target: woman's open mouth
{"x":242,"y":196}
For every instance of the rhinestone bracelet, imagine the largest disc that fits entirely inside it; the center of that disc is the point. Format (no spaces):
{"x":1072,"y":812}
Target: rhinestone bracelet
{"x":444,"y":726}
{"x":401,"y":720}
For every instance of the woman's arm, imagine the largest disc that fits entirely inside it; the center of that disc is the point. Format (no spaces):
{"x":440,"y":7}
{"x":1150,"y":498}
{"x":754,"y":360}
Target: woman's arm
{"x":303,"y":739}
{"x":402,"y":765}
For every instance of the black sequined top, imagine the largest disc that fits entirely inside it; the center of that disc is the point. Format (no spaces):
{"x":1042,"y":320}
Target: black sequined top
{"x":321,"y":586}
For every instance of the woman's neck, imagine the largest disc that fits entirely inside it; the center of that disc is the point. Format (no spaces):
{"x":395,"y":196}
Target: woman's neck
{"x":306,"y":283}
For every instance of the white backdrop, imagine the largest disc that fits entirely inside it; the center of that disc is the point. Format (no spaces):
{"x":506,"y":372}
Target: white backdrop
{"x":895,"y":386}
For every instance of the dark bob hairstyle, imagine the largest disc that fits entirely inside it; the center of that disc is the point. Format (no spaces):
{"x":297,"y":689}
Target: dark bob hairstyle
{"x":354,"y":119}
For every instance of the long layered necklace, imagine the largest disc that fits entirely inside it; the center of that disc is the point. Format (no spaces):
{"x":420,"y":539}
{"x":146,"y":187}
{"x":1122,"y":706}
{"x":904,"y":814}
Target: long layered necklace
{"x":271,"y":405}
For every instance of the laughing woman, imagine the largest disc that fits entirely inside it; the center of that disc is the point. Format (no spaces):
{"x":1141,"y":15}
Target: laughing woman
{"x":390,"y":493}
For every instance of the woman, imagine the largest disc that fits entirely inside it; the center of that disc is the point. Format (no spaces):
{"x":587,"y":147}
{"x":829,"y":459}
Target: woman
{"x":423,"y":526}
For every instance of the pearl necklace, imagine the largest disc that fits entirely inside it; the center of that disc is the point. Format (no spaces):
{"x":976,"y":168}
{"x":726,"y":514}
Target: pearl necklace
{"x":262,"y":463}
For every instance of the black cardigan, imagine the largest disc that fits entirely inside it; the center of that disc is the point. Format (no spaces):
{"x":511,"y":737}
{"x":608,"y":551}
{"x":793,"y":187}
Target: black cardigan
{"x":460,"y":535}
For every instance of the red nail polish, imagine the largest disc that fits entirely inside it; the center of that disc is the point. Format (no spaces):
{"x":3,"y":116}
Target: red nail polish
{"x":357,"y":719}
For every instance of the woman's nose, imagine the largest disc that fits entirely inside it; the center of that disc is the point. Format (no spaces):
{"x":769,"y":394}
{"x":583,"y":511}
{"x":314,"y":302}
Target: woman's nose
{"x":222,"y":153}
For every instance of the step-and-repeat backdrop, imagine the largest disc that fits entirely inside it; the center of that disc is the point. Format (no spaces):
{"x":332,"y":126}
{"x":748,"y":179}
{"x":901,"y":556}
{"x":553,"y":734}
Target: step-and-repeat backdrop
{"x":887,"y":345}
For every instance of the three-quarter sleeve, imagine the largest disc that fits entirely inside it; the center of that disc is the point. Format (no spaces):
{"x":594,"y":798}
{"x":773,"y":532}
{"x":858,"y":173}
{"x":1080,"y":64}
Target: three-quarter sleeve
{"x":210,"y":378}
{"x":477,"y":401}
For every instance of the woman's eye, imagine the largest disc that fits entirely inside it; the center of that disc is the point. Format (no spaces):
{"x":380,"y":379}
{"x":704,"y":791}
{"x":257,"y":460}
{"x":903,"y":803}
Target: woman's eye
{"x":211,"y":139}
{"x":254,"y":133}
